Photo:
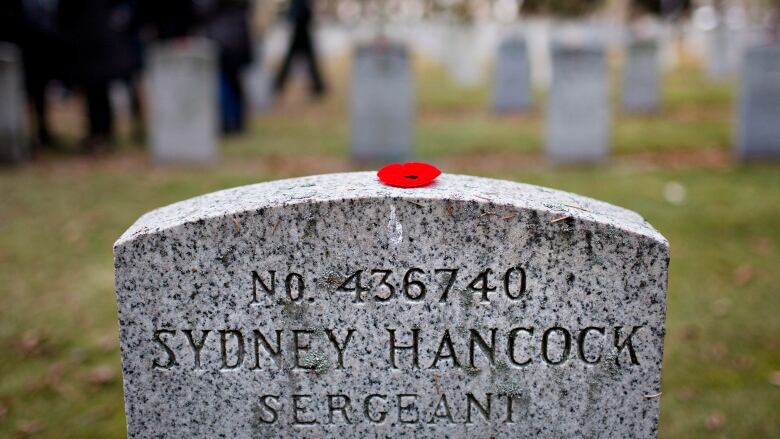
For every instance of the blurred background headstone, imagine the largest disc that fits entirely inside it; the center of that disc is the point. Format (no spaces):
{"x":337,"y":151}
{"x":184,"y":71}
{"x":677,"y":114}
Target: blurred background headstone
{"x":721,"y":52}
{"x":758,"y":126}
{"x":258,"y":80}
{"x":538,"y":40}
{"x":512,"y":78}
{"x":642,"y":76}
{"x":14,"y":146}
{"x":382,"y":103}
{"x":466,"y":51}
{"x":578,"y":113}
{"x":726,"y":31}
{"x":182,"y":90}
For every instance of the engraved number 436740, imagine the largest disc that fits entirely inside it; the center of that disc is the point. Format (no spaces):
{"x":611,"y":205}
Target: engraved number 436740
{"x":381,"y":285}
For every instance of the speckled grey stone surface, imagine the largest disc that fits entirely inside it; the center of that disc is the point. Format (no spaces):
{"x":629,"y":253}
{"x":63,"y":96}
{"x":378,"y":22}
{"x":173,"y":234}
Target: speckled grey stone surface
{"x":361,"y":270}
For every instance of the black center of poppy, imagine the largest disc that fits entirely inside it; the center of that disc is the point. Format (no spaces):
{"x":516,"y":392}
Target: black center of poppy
{"x":411,"y":177}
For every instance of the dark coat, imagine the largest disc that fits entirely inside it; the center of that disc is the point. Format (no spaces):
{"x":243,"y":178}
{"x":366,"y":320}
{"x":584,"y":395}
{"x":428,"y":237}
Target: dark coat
{"x":99,"y":42}
{"x":35,"y":29}
{"x":167,"y":19}
{"x":300,"y":13}
{"x":228,"y":25}
{"x":10,"y":20}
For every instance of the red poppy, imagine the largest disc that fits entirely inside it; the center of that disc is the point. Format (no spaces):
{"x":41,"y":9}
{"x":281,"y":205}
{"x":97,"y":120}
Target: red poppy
{"x":412,"y":174}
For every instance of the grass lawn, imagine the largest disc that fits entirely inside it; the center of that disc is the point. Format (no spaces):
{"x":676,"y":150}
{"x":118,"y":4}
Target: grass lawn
{"x":59,"y":359}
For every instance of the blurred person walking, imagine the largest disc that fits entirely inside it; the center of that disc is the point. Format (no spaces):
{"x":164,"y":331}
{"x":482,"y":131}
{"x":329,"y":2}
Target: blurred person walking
{"x":125,"y":21}
{"x":228,"y":25}
{"x":34,"y":26}
{"x":99,"y":49}
{"x":302,"y":46}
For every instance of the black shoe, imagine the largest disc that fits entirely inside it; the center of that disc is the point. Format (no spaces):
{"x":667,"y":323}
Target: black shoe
{"x":97,"y":145}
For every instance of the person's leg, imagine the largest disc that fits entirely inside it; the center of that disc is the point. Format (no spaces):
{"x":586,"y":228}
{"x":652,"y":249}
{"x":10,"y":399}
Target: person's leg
{"x":234,"y":79}
{"x":227,"y":103}
{"x":310,"y":53}
{"x":284,"y":71}
{"x":36,"y":91}
{"x":100,"y":116}
{"x":137,"y":115}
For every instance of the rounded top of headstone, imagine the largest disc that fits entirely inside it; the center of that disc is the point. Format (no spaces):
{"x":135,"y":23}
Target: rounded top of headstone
{"x":577,"y":47}
{"x":190,"y":48}
{"x":514,"y":41}
{"x":559,"y":206}
{"x":764,"y":49}
{"x":643,"y":41}
{"x":389,"y":47}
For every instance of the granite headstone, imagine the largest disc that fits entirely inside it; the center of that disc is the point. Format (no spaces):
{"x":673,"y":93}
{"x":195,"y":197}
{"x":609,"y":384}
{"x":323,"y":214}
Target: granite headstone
{"x":382,"y":103}
{"x":758,"y":128}
{"x":182,"y":83}
{"x":512,"y":79}
{"x":14,"y":146}
{"x":578,"y":112}
{"x":335,"y":306}
{"x":641,"y":77}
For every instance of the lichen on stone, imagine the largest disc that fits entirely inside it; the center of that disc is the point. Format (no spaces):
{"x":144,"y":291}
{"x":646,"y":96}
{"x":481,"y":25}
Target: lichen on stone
{"x":510,"y":388}
{"x":471,"y":370}
{"x":310,"y":229}
{"x":317,"y":361}
{"x":501,"y":366}
{"x":293,"y":310}
{"x":330,"y":280}
{"x":466,"y":298}
{"x":610,"y":363}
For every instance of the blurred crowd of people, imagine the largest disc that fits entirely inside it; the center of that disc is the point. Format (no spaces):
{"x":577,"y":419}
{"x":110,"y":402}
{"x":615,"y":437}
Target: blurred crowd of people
{"x":86,"y":45}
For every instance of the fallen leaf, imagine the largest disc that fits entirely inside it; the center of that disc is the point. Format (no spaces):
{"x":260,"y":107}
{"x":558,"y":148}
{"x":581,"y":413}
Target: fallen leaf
{"x":743,"y":362}
{"x":720,"y":307}
{"x":774,"y":378}
{"x":718,"y":351}
{"x":31,"y":343}
{"x":54,"y":376}
{"x":102,"y":375}
{"x":744,"y":274}
{"x":29,"y":428}
{"x":108,"y":342}
{"x":715,"y":420}
{"x":686,"y":394}
{"x":689,"y":333}
{"x":762,"y":245}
